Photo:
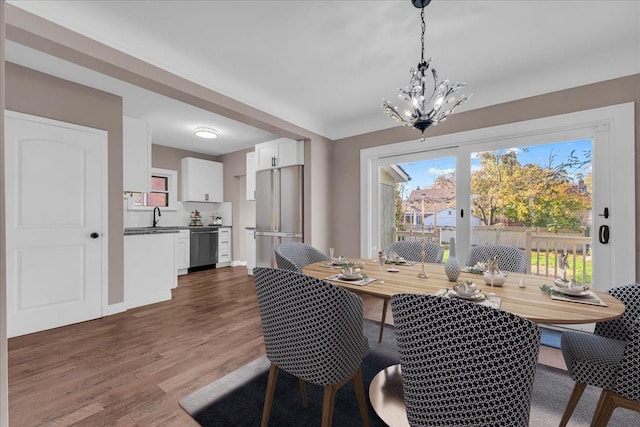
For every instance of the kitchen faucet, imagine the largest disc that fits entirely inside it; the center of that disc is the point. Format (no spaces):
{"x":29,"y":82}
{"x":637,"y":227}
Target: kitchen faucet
{"x":155,"y":221}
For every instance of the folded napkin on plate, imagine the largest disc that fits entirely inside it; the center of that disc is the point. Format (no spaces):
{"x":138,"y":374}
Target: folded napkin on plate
{"x":592,"y":298}
{"x":361,"y":282}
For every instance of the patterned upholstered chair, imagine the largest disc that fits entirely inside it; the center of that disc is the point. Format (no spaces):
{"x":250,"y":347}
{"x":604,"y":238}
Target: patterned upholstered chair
{"x":464,"y":364}
{"x":411,"y":251}
{"x":608,"y":358}
{"x":295,"y":256}
{"x":312,"y":330}
{"x":509,"y":258}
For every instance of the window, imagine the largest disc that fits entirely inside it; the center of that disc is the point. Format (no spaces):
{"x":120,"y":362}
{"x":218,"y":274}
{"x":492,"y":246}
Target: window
{"x":162,"y":192}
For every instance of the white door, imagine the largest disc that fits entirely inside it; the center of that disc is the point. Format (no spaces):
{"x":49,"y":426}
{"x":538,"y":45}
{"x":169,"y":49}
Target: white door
{"x":55,"y":196}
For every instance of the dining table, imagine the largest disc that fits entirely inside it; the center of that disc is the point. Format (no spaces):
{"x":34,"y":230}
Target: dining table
{"x":520,"y":294}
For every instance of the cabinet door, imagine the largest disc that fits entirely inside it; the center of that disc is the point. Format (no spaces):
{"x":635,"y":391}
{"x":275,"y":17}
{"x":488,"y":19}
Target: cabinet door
{"x":182,"y":251}
{"x":289,"y":153}
{"x":202,"y":180}
{"x":265,"y":155}
{"x":136,"y":155}
{"x":251,"y":176}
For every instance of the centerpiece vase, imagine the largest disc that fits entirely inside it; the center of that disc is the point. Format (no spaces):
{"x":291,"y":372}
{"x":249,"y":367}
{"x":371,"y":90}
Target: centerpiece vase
{"x":452,"y":266}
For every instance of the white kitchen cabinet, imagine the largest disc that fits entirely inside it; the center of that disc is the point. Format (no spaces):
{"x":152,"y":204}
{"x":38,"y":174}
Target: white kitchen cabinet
{"x":202,"y":180}
{"x":136,"y":155}
{"x":149,"y":268}
{"x":251,"y":249}
{"x":251,"y":176}
{"x":279,"y":153}
{"x":224,"y":247}
{"x":183,"y":251}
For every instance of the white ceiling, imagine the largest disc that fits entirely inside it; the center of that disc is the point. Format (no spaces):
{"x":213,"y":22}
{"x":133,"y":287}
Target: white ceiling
{"x":326,"y":65}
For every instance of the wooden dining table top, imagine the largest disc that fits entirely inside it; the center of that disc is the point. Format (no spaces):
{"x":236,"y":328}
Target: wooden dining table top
{"x":529,"y":302}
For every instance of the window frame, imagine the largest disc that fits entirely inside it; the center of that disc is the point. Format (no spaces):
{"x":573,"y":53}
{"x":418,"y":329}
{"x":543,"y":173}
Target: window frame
{"x":172,"y":191}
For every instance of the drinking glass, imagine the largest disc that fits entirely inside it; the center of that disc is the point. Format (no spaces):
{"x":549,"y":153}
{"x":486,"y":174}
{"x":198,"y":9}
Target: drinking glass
{"x":331,"y":254}
{"x":381,"y":260}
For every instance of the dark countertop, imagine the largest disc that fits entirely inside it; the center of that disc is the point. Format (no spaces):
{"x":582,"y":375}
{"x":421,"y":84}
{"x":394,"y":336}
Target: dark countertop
{"x":167,"y":229}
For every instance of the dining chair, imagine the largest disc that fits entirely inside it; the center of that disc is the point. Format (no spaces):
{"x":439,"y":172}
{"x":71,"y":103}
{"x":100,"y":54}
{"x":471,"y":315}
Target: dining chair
{"x":609,"y":358}
{"x":509,"y":258}
{"x":295,"y":256}
{"x":411,"y":250}
{"x":464,"y":364}
{"x":312,"y":330}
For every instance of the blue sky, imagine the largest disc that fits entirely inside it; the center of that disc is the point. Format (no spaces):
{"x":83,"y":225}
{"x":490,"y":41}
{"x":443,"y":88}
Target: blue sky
{"x":423,"y":173}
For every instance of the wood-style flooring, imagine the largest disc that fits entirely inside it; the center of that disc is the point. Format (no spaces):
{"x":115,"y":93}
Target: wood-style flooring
{"x":131,"y":369}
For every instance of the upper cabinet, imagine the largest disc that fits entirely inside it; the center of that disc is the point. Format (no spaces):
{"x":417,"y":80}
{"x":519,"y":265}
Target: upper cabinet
{"x":251,"y":176}
{"x":279,"y":153}
{"x":202,"y":180}
{"x":136,"y":155}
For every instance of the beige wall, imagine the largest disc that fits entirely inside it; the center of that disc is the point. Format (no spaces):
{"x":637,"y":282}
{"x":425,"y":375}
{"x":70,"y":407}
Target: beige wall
{"x":31,"y":92}
{"x":235,"y":171}
{"x":346,"y":152}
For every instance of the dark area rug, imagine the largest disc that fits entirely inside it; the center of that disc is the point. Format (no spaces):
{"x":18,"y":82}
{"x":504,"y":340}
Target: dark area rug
{"x":237,"y":399}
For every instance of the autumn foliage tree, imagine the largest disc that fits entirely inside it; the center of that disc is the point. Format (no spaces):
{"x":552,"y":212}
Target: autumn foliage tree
{"x":531,"y":194}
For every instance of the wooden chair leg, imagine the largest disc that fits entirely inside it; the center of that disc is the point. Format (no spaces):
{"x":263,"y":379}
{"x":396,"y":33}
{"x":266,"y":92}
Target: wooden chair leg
{"x":327,"y":404}
{"x":384,"y":316}
{"x":358,"y":385}
{"x":576,"y":393}
{"x":604,"y":409}
{"x":303,"y":392}
{"x":268,"y":399}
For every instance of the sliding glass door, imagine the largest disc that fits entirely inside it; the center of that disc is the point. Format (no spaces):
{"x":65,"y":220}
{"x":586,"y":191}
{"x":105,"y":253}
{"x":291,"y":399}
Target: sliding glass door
{"x":545,"y":186}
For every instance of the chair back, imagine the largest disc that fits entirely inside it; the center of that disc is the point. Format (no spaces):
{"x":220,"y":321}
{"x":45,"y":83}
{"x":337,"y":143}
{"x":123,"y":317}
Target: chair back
{"x":295,"y":256}
{"x":464,"y":364}
{"x":509,"y":257}
{"x":622,"y":327}
{"x":411,"y":251}
{"x":312,"y":329}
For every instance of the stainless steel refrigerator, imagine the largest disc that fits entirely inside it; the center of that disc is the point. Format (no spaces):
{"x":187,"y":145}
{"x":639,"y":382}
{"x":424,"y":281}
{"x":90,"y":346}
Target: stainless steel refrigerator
{"x":279,"y":211}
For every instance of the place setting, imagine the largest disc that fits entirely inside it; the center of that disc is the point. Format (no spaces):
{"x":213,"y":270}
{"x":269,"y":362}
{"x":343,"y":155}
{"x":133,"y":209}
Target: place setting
{"x":469,"y":291}
{"x":568,"y":290}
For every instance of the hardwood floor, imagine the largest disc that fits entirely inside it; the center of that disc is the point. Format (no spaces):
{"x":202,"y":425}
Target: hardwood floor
{"x":131,"y":369}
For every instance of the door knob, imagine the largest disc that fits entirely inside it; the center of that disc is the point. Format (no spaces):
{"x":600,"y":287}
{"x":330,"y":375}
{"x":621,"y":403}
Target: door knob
{"x":94,"y":235}
{"x":603,"y":234}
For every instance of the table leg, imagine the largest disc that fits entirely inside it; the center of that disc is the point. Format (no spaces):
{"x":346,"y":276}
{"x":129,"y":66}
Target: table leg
{"x":384,"y":316}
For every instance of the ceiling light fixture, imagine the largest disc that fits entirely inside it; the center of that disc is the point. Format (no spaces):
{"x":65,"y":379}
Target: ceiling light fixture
{"x":207,"y":133}
{"x":425,"y":110}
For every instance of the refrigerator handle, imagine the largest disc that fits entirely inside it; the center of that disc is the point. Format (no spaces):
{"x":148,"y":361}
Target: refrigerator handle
{"x":276,"y":198}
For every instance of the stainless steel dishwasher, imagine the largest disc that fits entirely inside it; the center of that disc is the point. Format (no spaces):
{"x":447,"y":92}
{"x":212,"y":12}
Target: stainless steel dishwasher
{"x":204,"y":249}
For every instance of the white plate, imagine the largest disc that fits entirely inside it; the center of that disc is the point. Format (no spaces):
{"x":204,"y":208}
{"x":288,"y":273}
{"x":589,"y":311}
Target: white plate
{"x":358,"y":276}
{"x":477,"y":296}
{"x":573,"y":292}
{"x":392,"y":270}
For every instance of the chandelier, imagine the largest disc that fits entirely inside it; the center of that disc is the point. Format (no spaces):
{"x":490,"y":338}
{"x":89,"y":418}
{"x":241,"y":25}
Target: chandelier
{"x":425,"y":109}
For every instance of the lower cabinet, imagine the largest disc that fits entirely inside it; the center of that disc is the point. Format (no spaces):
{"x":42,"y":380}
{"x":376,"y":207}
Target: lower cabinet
{"x":183,"y":251}
{"x":224,"y":247}
{"x":149,"y":268}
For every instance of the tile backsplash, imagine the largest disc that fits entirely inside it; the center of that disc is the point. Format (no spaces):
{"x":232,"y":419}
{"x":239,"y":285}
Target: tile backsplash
{"x":181,"y":216}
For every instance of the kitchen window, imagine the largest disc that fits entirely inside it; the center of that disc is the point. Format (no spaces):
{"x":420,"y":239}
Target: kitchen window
{"x":163,"y":193}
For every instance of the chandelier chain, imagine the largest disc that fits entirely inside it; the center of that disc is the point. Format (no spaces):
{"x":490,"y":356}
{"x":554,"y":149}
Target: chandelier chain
{"x":424,"y":27}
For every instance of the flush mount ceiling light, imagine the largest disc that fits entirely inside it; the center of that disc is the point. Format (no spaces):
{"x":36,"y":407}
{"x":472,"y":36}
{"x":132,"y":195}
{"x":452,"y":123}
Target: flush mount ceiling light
{"x":207,"y":133}
{"x":425,"y":109}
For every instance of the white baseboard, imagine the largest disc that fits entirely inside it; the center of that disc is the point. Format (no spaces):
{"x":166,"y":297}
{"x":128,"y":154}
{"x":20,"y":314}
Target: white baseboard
{"x":237,"y":263}
{"x":112,"y":309}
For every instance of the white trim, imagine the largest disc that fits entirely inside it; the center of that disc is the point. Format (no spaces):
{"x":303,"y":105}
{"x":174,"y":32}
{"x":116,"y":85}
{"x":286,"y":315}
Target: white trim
{"x":608,"y":126}
{"x":110,"y":310}
{"x":173,"y":191}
